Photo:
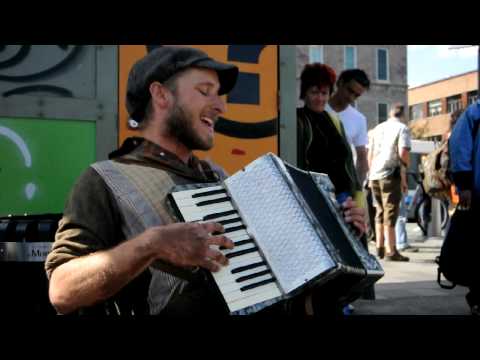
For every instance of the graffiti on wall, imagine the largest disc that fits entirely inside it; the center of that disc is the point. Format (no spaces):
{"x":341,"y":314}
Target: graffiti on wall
{"x":27,"y":70}
{"x":30,"y":188}
{"x":24,"y":71}
{"x":42,"y":89}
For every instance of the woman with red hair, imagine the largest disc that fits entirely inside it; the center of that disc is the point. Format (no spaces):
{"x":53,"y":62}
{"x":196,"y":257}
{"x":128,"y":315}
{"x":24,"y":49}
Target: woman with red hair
{"x":322,"y":147}
{"x":322,"y":143}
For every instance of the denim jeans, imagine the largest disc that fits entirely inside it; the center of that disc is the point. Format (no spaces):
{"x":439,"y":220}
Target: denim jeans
{"x":400,"y":226}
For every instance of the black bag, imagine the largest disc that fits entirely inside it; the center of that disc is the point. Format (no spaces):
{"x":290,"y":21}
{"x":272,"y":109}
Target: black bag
{"x":458,"y":260}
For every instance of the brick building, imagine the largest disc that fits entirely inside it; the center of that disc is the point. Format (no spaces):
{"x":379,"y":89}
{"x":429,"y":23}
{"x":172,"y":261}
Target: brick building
{"x":385,"y":65}
{"x":430,"y":105}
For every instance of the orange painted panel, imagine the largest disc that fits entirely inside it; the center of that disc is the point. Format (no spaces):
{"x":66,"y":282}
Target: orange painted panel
{"x":248,"y":129}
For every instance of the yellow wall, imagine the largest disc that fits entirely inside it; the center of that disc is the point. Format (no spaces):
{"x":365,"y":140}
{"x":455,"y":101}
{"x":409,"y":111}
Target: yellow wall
{"x":232,"y":153}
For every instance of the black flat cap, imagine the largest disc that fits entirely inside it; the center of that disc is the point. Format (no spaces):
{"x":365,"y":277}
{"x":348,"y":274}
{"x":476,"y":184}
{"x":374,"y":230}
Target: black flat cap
{"x":162,"y":63}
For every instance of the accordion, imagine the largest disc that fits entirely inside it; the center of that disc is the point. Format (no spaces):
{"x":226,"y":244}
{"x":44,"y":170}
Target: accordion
{"x":289,"y":234}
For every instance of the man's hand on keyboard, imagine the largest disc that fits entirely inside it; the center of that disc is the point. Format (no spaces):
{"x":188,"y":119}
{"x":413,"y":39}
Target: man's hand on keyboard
{"x":188,"y":244}
{"x":354,"y":215}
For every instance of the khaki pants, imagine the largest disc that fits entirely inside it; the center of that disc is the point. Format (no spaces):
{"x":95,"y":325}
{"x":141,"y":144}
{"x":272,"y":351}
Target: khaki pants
{"x":386,"y":195}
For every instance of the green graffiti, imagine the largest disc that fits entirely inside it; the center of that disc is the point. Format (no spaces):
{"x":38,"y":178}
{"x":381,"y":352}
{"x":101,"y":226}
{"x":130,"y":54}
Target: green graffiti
{"x":40,"y":161}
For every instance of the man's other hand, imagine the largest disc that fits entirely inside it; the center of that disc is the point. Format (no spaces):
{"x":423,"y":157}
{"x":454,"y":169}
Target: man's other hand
{"x":354,"y":215}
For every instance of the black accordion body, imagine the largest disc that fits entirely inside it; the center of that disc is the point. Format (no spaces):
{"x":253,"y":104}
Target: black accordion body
{"x":289,"y":234}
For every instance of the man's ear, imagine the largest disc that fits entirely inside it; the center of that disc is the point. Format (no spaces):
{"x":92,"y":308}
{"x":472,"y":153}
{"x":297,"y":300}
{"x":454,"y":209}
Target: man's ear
{"x":160,"y":95}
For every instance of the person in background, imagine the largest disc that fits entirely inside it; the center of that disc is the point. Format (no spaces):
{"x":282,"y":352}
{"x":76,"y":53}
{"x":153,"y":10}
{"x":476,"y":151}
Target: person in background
{"x":351,"y":85}
{"x":388,"y":152}
{"x":401,"y":235}
{"x":323,"y":147}
{"x":464,"y":150}
{"x":454,"y":199}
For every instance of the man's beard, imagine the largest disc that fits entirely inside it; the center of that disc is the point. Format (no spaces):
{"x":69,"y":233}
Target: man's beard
{"x":180,"y":126}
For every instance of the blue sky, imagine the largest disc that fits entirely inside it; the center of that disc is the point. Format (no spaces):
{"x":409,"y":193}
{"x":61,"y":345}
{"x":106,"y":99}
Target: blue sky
{"x":427,"y":63}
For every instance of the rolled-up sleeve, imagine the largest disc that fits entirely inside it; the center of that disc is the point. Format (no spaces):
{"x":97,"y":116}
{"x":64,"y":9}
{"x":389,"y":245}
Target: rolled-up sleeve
{"x":405,"y":139}
{"x":90,"y":222}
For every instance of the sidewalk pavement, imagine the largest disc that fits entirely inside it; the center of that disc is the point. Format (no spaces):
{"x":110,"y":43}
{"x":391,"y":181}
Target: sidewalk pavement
{"x":411,"y":288}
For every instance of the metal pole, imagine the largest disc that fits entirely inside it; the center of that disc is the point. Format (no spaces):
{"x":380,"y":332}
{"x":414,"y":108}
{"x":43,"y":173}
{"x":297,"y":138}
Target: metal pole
{"x":288,"y":115}
{"x":435,"y":225}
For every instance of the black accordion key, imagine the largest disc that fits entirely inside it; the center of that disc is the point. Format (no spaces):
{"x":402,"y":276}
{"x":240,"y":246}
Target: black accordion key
{"x":248,"y":267}
{"x":219,"y":215}
{"x":215,"y":201}
{"x":230,"y":221}
{"x":253,"y":276}
{"x":209,"y":193}
{"x":234,"y":228}
{"x":241,"y":252}
{"x":239,"y":243}
{"x":260,"y":283}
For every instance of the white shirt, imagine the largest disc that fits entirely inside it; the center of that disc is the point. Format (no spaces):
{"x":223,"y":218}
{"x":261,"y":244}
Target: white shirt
{"x":386,"y":141}
{"x":355,"y":124}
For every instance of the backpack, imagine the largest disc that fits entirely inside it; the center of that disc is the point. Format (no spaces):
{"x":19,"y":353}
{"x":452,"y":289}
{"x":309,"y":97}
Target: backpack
{"x":437,"y":182}
{"x":458,"y":260}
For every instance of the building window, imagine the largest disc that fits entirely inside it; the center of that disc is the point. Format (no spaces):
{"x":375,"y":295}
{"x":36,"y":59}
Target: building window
{"x":382,"y":65}
{"x":315,"y":54}
{"x":454,"y":103}
{"x":416,"y":112}
{"x":350,"y":57}
{"x":472,"y":96}
{"x":382,"y":112}
{"x":434,"y":107}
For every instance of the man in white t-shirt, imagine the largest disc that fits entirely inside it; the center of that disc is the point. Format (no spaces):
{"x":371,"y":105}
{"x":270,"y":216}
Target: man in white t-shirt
{"x":351,"y":85}
{"x":388,"y":153}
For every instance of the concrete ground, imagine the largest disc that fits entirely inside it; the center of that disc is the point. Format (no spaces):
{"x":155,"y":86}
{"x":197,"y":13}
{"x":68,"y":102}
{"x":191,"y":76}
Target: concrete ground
{"x":411,"y":288}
